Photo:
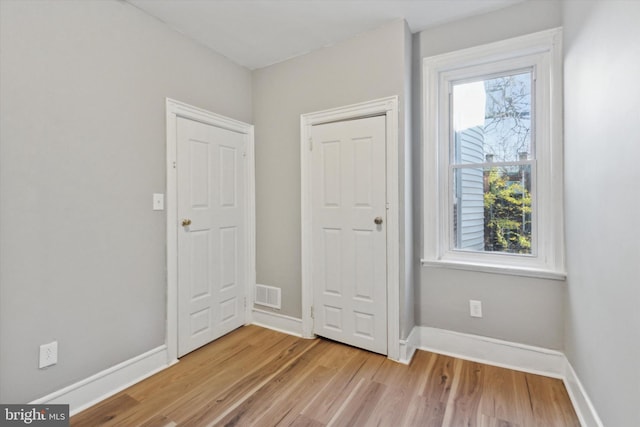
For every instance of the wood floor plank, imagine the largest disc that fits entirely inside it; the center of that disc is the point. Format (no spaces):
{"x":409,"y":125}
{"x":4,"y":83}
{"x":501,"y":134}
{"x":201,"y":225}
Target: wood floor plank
{"x":439,"y":379}
{"x":325,"y":404}
{"x":332,"y":358}
{"x":424,"y":412}
{"x":201,"y":361}
{"x":488,"y":421}
{"x":302,"y":421}
{"x":433,"y":384}
{"x":464,"y":399}
{"x":233,"y":378}
{"x":391,"y":406}
{"x":210,"y":406}
{"x":275,"y":399}
{"x":159,"y":421}
{"x":506,"y":397}
{"x":186,"y":391}
{"x":361,"y":404}
{"x":548,"y":397}
{"x":259,"y":377}
{"x":105,"y":411}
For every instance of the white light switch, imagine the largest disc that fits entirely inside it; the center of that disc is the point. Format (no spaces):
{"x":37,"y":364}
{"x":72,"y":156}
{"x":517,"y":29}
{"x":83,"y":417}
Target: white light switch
{"x":475,"y":308}
{"x":158,"y":201}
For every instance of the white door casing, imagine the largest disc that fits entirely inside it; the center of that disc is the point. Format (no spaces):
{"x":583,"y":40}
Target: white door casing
{"x":388,"y":107}
{"x":349,"y":232}
{"x":211,"y":261}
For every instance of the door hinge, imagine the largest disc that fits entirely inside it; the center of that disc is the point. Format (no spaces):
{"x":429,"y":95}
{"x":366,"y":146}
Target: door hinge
{"x":245,"y":303}
{"x":312,"y":314}
{"x":310,"y":144}
{"x":174,"y":165}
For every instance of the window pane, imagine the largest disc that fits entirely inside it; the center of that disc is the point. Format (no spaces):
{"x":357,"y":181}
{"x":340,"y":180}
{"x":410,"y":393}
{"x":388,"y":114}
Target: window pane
{"x":492,"y":209}
{"x":492,"y":119}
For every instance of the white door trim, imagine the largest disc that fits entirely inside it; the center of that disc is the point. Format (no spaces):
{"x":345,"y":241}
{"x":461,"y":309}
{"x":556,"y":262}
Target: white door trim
{"x":389,"y":108}
{"x":175,"y":109}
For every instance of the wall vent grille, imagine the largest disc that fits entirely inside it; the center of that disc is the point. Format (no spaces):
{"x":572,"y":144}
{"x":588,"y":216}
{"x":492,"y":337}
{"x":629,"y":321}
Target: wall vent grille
{"x":269,"y":296}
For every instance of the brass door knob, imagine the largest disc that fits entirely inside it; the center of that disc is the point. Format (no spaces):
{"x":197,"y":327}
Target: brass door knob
{"x":378,"y":220}
{"x":186,"y":222}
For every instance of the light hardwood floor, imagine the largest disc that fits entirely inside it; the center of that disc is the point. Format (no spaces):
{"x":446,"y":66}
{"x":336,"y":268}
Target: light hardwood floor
{"x":259,"y":377}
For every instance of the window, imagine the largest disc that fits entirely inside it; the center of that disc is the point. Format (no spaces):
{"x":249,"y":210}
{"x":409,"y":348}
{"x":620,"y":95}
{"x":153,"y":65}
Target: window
{"x":493,"y":157}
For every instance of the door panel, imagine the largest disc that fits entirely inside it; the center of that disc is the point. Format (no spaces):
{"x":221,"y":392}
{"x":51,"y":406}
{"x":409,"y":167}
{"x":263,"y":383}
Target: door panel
{"x":210,"y":166}
{"x":349,"y":273}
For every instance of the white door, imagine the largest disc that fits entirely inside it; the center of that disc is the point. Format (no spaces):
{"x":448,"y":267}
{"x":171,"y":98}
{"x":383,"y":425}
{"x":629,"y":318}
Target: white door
{"x":211,"y":185}
{"x":349,"y":274}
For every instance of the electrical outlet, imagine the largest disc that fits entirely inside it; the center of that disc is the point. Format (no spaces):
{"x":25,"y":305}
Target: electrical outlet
{"x":48,"y":354}
{"x":475,"y":308}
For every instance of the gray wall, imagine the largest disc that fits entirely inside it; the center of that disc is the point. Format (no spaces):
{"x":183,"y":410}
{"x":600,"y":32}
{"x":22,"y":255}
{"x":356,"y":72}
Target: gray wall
{"x":82,"y":148}
{"x":369,"y":66}
{"x":517,"y":309}
{"x":602,"y":146}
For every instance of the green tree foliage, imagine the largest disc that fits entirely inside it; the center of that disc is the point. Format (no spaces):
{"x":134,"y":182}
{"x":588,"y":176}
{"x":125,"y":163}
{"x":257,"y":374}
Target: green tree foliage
{"x":507,"y":212}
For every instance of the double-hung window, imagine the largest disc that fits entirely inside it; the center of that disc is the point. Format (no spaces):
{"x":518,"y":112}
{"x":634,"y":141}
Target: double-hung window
{"x":493,"y":157}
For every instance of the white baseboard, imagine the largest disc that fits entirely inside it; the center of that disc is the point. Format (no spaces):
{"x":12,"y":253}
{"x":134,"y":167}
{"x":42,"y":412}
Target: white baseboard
{"x":88,"y":392}
{"x":409,"y":346}
{"x":581,"y":402}
{"x":536,"y":360}
{"x":277,"y":322}
{"x":520,"y":357}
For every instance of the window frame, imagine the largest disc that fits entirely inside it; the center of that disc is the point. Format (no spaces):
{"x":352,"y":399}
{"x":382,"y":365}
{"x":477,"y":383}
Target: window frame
{"x":540,"y":52}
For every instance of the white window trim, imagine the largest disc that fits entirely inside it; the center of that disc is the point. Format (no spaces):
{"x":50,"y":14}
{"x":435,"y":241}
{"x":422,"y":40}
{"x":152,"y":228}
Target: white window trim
{"x":543,"y":51}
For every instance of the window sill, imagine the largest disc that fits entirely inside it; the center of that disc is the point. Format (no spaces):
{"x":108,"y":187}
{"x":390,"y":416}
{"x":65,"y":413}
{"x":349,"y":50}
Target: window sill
{"x":489,"y":268}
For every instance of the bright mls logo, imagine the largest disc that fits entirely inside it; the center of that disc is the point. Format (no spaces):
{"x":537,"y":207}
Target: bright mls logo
{"x":34,"y":415}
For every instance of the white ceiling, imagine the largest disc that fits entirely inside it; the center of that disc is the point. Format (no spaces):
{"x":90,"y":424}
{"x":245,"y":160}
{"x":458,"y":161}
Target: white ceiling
{"x":257,"y":33}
